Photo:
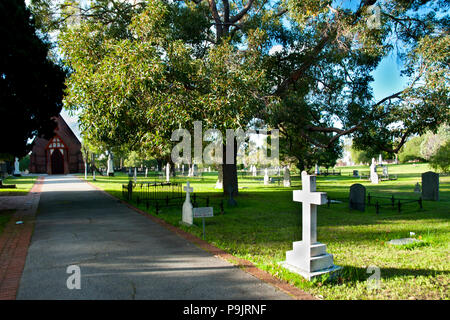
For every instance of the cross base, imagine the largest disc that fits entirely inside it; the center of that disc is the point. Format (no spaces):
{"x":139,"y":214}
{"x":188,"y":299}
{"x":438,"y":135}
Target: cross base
{"x":309,"y":275}
{"x":309,"y":260}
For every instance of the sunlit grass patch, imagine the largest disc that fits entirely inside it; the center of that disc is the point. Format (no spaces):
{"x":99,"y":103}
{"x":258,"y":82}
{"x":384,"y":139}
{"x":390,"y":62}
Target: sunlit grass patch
{"x":23,"y":185}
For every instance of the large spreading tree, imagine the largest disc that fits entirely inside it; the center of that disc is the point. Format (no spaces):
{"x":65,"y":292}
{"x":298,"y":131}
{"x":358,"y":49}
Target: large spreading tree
{"x":143,"y":69}
{"x":31,"y":84}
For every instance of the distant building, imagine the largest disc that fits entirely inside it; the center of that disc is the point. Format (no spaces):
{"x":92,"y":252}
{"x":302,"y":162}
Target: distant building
{"x":59,"y":155}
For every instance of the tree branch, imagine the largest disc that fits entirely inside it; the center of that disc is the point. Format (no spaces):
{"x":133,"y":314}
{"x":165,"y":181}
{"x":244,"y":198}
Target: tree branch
{"x":239,"y":16}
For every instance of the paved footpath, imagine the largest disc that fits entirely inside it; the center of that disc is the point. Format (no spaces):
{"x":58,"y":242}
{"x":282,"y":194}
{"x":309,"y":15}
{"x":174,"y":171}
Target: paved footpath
{"x":121,"y":254}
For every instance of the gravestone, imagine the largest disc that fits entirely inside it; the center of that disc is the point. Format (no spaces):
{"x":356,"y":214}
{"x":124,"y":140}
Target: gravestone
{"x":168,"y":172}
{"x":430,"y":186}
{"x":309,"y":257}
{"x":373,"y":172}
{"x":417,"y":188}
{"x":130,"y":190}
{"x":110,"y":171}
{"x":357,"y":198}
{"x":254,"y":170}
{"x":266,"y":176}
{"x":187,"y":214}
{"x":380,"y":159}
{"x":195,"y":170}
{"x":231,"y":201}
{"x":287,"y":177}
{"x":355,"y":173}
{"x":16,"y":168}
{"x":385,"y":171}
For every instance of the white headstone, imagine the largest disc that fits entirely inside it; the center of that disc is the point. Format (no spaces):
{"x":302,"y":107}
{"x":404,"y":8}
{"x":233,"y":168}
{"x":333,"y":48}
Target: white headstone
{"x":110,"y":170}
{"x":254,"y":170}
{"x":266,"y":176}
{"x":309,"y":257}
{"x":373,"y":172}
{"x":16,"y":167}
{"x":380,"y":159}
{"x":287,"y":177}
{"x":187,"y":214}
{"x":168,"y":172}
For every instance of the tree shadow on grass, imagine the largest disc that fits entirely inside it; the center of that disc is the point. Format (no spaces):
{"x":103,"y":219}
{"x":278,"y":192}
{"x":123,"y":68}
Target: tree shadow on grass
{"x":352,"y":274}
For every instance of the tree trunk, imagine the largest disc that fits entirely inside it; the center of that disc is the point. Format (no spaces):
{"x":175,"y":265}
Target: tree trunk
{"x":229,"y":172}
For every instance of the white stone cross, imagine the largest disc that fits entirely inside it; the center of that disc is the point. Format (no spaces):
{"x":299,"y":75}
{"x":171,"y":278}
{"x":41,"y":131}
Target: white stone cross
{"x":310,"y":199}
{"x":187,"y":211}
{"x":188,"y":190}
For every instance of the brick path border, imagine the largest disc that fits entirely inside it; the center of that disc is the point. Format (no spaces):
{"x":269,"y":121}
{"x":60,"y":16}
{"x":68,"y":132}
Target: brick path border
{"x":243,"y":264}
{"x":14,"y":242}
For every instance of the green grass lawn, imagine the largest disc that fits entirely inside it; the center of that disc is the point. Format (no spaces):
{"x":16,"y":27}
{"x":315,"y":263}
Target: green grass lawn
{"x":23,"y":185}
{"x":266,"y":222}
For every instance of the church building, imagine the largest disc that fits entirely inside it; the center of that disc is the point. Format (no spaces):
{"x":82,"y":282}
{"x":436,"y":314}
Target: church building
{"x":59,"y":155}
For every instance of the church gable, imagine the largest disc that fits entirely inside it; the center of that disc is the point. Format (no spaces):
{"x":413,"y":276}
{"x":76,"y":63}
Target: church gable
{"x":59,"y":155}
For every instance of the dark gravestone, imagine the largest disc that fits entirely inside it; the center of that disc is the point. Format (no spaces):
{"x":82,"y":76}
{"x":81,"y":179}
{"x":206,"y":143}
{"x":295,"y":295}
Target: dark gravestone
{"x":231,"y":201}
{"x":357,"y":198}
{"x":417,"y":188}
{"x":130,"y":190}
{"x":430,"y":186}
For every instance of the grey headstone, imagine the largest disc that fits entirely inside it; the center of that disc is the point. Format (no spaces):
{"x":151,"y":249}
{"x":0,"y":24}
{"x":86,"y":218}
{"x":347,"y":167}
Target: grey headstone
{"x":430,"y":186}
{"x":357,"y":198}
